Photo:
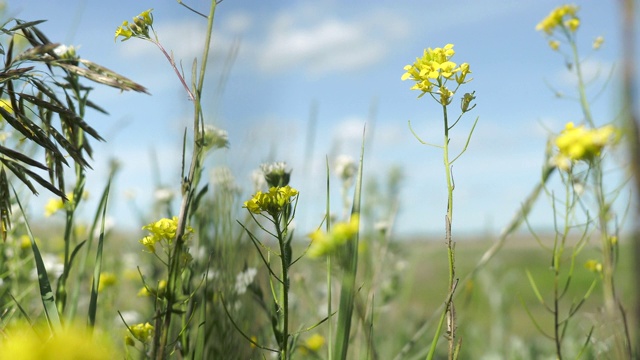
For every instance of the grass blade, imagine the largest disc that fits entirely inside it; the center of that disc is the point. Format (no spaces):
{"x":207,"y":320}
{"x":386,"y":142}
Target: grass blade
{"x":48,"y":300}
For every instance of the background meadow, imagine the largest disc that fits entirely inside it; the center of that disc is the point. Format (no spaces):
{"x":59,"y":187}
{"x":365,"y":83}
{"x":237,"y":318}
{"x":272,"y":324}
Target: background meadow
{"x":300,"y":82}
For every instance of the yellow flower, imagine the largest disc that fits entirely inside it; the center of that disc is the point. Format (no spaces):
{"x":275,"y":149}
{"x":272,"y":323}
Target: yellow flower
{"x":433,"y":69}
{"x":107,"y":279}
{"x":554,"y":44}
{"x":273,"y":202}
{"x":579,"y":143}
{"x":23,"y":342}
{"x":593,"y":265}
{"x":142,"y":332}
{"x":163,"y":230}
{"x":597,"y":43}
{"x":147,"y":17}
{"x":314,"y":342}
{"x":556,"y":18}
{"x":326,"y":243}
{"x":124,"y":30}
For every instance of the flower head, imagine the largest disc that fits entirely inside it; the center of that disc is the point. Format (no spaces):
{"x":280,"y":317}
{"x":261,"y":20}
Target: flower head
{"x":162,"y":231}
{"x":562,"y":16}
{"x":142,"y":332}
{"x":215,"y":138}
{"x":433,"y":69}
{"x":579,"y":143}
{"x":276,"y":174}
{"x":107,"y":279}
{"x":138,"y":28}
{"x":272,"y":202}
{"x":327,"y":243}
{"x":597,"y":43}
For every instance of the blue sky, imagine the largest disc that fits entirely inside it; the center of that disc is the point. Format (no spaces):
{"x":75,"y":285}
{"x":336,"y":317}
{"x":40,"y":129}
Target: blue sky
{"x":342,"y":56}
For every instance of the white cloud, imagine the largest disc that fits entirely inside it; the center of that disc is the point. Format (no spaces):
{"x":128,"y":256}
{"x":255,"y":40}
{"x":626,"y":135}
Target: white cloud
{"x":323,"y":44}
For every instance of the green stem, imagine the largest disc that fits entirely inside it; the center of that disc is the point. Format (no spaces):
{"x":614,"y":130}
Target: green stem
{"x":285,"y":261}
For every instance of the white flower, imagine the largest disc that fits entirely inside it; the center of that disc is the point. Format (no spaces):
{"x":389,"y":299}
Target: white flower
{"x":244,"y":279}
{"x":345,"y":168}
{"x":215,"y":138}
{"x":163,"y":194}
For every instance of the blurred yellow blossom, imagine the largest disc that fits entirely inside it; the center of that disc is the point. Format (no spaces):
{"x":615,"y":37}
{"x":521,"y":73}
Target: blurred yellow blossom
{"x":74,"y":342}
{"x":579,"y":143}
{"x":142,"y":332}
{"x":597,"y":43}
{"x":314,"y":343}
{"x":562,"y":16}
{"x":593,"y":265}
{"x":554,"y":44}
{"x":107,"y":279}
{"x":326,"y":243}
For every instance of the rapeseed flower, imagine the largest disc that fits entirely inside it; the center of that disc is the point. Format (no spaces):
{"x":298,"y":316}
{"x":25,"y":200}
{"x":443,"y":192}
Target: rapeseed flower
{"x":23,"y":342}
{"x":138,"y":28}
{"x":327,"y":243}
{"x":433,"y":69}
{"x":163,"y":230}
{"x":561,"y":17}
{"x":272,"y":202}
{"x":579,"y":143}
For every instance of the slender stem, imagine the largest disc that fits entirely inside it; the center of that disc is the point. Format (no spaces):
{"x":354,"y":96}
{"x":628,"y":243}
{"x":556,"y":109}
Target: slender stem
{"x":285,"y":261}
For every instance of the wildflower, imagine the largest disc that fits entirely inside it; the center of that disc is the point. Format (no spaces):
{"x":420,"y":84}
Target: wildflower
{"x":244,"y":279}
{"x":554,"y":45}
{"x":346,"y":169}
{"x":107,"y":279}
{"x":139,"y":28}
{"x":276,"y":174}
{"x":579,"y":143}
{"x":326,"y":243}
{"x":273,"y":202}
{"x":66,"y":52}
{"x":163,"y":230}
{"x":433,"y":69}
{"x":597,"y":43}
{"x":124,"y":31}
{"x":72,"y":342}
{"x":214,"y":138}
{"x":562,"y":16}
{"x":142,"y":332}
{"x":314,"y":342}
{"x":593,"y":265}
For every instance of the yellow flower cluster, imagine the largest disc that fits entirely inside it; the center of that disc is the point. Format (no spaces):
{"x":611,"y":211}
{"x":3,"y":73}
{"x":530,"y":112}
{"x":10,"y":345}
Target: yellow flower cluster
{"x":139,"y":27}
{"x":579,"y":143}
{"x":25,"y":342}
{"x":272,"y":202}
{"x":326,"y":243}
{"x":142,"y":332}
{"x":162,"y":230}
{"x":433,"y":69}
{"x":563,"y":16}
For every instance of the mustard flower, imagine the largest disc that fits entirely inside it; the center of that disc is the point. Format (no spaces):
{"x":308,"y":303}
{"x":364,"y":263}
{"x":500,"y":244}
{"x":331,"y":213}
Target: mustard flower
{"x":139,"y":28}
{"x":593,"y":265}
{"x":107,"y":279}
{"x":73,"y":342}
{"x":579,"y":143}
{"x":273,"y":202}
{"x":554,"y":44}
{"x":56,"y":204}
{"x":327,"y":243}
{"x":562,"y":16}
{"x":314,"y":343}
{"x":163,"y":230}
{"x":433,"y":69}
{"x":142,"y":332}
{"x":124,"y":31}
